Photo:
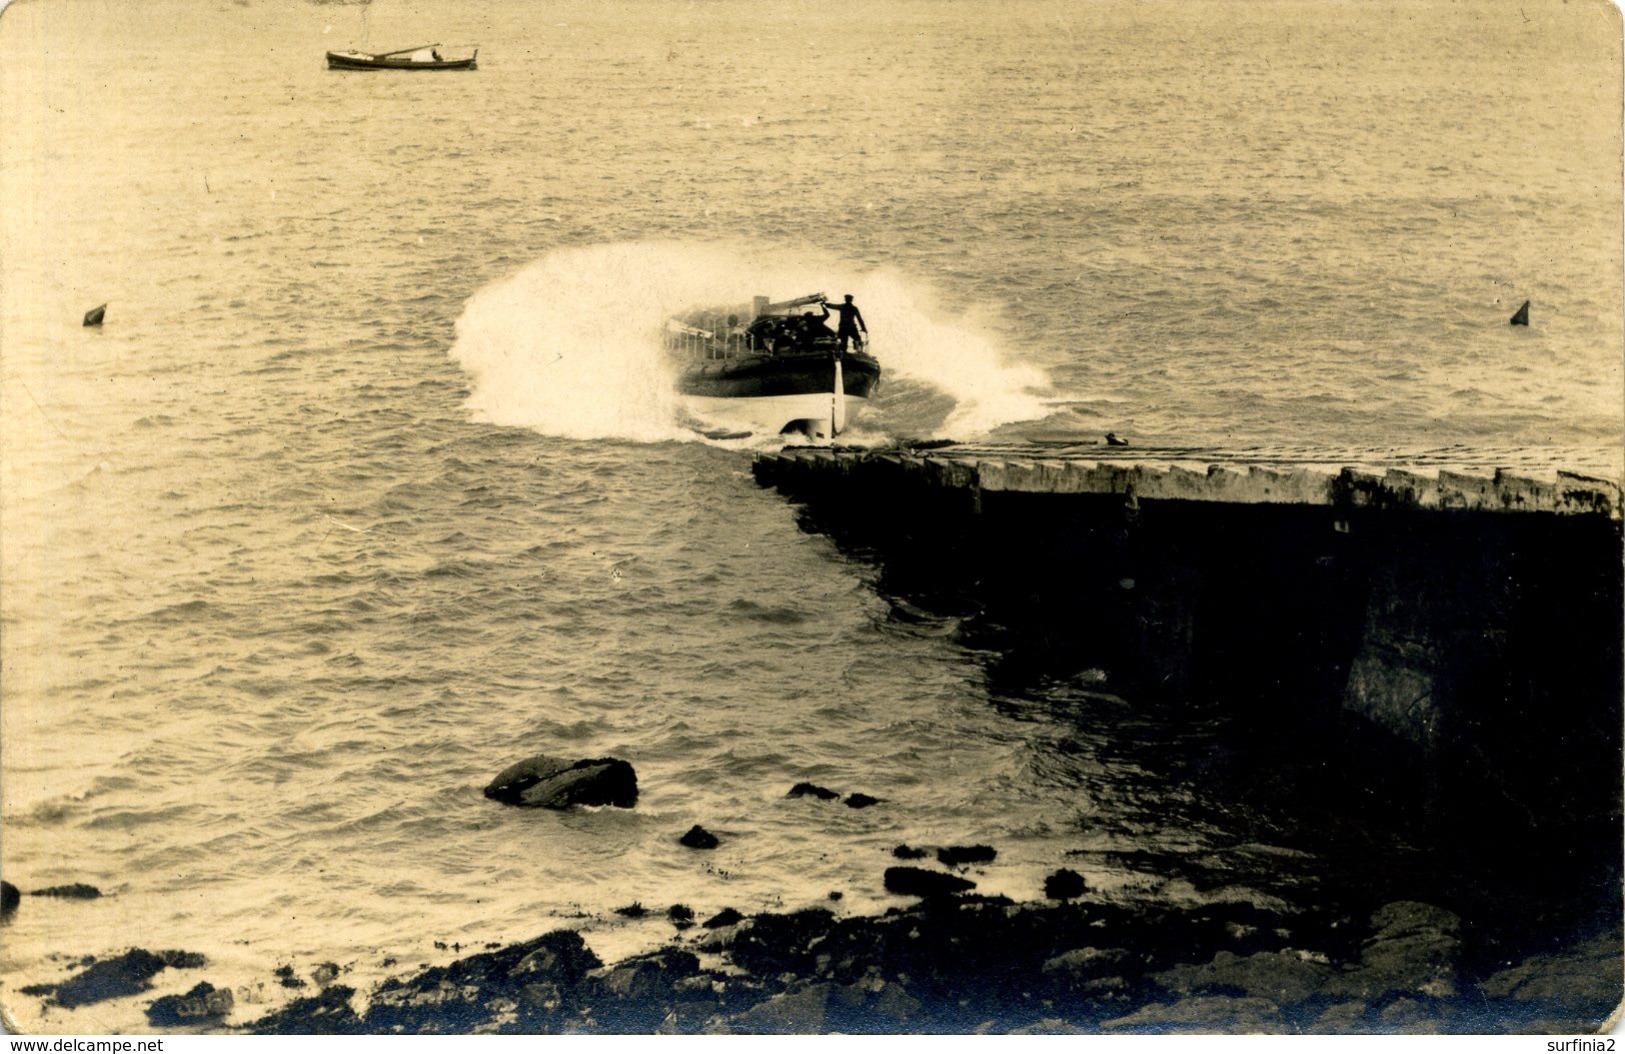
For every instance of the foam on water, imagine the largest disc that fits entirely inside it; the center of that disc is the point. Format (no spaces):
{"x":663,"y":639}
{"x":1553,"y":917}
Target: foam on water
{"x":570,"y":345}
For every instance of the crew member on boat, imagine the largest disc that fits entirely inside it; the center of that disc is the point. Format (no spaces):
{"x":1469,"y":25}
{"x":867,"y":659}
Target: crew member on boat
{"x":733,"y":336}
{"x":812,"y":327}
{"x":851,"y":322}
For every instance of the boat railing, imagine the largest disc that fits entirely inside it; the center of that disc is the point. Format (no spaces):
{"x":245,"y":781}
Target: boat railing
{"x":701,"y":346}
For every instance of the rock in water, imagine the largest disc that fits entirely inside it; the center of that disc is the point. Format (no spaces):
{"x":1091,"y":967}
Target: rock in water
{"x":918,"y":882}
{"x":1520,"y":317}
{"x":1064,"y":885}
{"x":553,"y":783}
{"x":699,"y":838}
{"x":801,"y":790}
{"x":9,"y":898}
{"x":959,"y":855}
{"x":122,"y":975}
{"x":860,"y":800}
{"x":74,"y":891}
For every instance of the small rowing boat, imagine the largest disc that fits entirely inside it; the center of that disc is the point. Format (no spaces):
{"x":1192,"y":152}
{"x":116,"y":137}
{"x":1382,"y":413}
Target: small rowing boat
{"x":422,"y":57}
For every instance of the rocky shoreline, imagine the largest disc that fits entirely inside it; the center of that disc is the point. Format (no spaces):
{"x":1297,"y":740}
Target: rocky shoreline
{"x":974,"y":964}
{"x":960,"y":963}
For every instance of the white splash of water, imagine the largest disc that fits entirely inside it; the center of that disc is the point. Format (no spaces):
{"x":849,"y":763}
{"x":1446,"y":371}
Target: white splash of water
{"x":570,"y":345}
{"x":914,"y":337}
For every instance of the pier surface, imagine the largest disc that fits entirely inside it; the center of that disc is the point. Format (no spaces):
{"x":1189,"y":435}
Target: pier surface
{"x":1565,"y":480}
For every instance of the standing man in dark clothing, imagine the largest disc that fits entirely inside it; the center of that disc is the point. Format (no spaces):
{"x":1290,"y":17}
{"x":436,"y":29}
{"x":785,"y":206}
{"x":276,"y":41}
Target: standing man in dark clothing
{"x":851,"y":322}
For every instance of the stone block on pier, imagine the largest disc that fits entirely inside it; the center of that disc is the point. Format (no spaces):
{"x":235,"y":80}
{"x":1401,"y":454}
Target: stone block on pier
{"x":1462,"y":490}
{"x":1589,"y":494}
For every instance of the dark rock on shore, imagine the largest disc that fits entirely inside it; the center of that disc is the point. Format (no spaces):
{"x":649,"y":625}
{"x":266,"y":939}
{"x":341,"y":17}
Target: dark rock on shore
{"x":980,"y":964}
{"x":1204,"y":1015}
{"x":802,"y":790}
{"x":725,"y":917}
{"x":203,"y":1002}
{"x":803,"y":1009}
{"x":1414,"y":950}
{"x":327,"y":1014}
{"x":126,"y":974}
{"x":1403,"y":977}
{"x":1064,"y":884}
{"x":775,"y":944}
{"x":959,"y":855}
{"x":681,"y":916}
{"x":74,"y":891}
{"x":1581,"y":984}
{"x":699,"y":838}
{"x":1279,"y":976}
{"x":553,"y":783}
{"x":918,"y":882}
{"x":643,"y":991}
{"x":1088,"y":972}
{"x":10,"y":897}
{"x":859,"y":800}
{"x":529,"y":987}
{"x":634,"y":910}
{"x":904,"y":852}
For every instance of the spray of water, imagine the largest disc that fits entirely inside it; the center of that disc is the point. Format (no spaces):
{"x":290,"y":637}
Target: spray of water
{"x":570,"y":345}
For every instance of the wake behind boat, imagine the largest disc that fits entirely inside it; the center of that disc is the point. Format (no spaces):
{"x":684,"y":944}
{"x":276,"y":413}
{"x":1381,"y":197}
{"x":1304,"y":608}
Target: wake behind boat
{"x":772,"y":368}
{"x":421,"y":57}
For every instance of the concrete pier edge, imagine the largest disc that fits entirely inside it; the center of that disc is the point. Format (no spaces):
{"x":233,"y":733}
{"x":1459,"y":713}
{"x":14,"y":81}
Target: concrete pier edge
{"x":1564,"y":481}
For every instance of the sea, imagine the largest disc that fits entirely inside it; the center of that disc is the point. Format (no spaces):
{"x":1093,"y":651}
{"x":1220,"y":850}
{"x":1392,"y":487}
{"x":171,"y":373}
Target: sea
{"x":373,"y":481}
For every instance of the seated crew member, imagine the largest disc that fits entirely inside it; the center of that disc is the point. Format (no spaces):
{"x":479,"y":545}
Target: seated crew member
{"x":812,"y":326}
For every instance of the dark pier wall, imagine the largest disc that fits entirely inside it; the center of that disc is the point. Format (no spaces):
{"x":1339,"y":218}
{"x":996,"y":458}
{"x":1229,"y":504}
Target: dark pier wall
{"x":1473,"y":655}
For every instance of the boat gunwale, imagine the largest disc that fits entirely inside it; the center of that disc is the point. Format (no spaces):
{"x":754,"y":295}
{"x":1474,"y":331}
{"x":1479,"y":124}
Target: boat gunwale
{"x":361,"y":60}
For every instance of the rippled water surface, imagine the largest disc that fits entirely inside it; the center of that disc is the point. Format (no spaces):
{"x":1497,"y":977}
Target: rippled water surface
{"x":372,"y":484}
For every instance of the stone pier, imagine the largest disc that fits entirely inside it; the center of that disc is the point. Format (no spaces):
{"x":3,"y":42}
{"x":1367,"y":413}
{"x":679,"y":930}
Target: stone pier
{"x":1460,"y":608}
{"x":1565,"y":480}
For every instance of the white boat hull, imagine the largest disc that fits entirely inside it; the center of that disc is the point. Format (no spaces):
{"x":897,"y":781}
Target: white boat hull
{"x":813,"y":413}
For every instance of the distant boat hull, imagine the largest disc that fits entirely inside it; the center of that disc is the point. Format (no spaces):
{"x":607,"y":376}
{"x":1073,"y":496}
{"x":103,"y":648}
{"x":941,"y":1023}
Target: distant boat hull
{"x":356,"y":60}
